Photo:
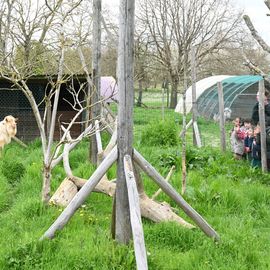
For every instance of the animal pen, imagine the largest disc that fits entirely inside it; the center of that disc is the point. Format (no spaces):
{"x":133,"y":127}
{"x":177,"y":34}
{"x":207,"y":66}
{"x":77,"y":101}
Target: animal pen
{"x":14,"y":102}
{"x":126,"y":222}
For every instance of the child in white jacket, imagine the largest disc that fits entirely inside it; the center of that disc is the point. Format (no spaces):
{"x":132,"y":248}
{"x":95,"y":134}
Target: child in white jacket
{"x":237,"y":140}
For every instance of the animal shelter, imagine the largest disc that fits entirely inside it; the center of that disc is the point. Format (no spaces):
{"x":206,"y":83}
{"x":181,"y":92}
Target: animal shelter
{"x":14,"y":102}
{"x":239,"y":95}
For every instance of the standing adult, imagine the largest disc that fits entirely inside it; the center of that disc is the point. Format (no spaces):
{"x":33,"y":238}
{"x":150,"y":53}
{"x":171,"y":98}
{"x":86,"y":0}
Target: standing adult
{"x":255,"y":111}
{"x":255,"y":121}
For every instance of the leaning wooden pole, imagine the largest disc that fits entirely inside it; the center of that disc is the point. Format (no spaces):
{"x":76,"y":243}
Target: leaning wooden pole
{"x":221,"y":117}
{"x":125,"y":117}
{"x":135,"y":215}
{"x":170,"y":191}
{"x":82,"y":195}
{"x":262,"y":125}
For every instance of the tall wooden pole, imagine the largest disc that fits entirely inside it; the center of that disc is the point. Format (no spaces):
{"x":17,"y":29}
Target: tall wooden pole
{"x":184,"y":139}
{"x":221,"y":117}
{"x":262,"y":125}
{"x":96,"y":50}
{"x":194,"y":100}
{"x":125,"y":116}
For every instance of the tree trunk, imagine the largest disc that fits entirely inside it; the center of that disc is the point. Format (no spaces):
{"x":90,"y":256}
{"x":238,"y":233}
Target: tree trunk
{"x":173,"y":101}
{"x":46,"y":187}
{"x":139,"y":101}
{"x":123,"y":232}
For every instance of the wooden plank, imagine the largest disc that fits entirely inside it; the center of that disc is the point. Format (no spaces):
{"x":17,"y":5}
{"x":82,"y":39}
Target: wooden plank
{"x":221,"y":117}
{"x":125,"y":116}
{"x":82,"y":195}
{"x":262,"y":125}
{"x":170,"y":191}
{"x":135,"y":215}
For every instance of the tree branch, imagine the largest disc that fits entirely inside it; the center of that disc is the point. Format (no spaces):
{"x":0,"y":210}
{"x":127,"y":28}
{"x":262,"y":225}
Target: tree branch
{"x":255,"y":34}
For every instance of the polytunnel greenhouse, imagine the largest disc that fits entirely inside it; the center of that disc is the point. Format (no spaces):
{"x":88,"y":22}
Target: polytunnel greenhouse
{"x":239,"y":95}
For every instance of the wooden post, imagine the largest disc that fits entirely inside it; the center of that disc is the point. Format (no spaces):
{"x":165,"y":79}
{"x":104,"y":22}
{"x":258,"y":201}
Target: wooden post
{"x":221,"y":117}
{"x":262,"y":125}
{"x":82,"y":195}
{"x":96,"y":48}
{"x":135,"y":215}
{"x":194,"y":99}
{"x":163,"y":97}
{"x":184,"y":139}
{"x":125,"y":116}
{"x":170,"y":191}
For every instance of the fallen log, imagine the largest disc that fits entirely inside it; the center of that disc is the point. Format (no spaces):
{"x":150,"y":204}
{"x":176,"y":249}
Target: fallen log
{"x":150,"y":209}
{"x":157,"y":212}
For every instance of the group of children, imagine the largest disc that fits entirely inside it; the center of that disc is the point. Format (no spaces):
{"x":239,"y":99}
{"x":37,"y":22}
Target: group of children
{"x":245,"y":141}
{"x":245,"y":137}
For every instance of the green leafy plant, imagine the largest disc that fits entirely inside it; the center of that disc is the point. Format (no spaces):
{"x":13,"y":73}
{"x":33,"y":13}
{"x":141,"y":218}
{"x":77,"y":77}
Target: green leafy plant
{"x":168,"y":160}
{"x":160,"y":133}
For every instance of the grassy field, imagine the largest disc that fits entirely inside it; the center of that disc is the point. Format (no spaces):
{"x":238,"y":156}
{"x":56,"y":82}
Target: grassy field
{"x":233,"y":197}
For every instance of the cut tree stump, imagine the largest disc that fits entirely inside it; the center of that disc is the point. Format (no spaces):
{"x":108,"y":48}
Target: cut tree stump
{"x":64,"y":194}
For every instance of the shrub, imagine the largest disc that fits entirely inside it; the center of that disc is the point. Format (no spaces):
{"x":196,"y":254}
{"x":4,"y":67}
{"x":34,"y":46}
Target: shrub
{"x":160,"y":134}
{"x":12,"y":170}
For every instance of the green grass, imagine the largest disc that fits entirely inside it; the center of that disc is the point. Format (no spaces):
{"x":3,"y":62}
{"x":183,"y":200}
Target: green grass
{"x":233,"y":197}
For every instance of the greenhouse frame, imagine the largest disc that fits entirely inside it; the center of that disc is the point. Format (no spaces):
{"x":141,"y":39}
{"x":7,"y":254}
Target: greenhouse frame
{"x":239,"y":95}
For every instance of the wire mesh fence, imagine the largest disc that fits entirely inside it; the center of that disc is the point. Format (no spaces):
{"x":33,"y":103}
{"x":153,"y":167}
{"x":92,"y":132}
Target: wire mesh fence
{"x":154,"y":106}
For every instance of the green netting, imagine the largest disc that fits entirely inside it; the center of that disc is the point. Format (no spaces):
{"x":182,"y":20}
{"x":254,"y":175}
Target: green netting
{"x":238,"y":92}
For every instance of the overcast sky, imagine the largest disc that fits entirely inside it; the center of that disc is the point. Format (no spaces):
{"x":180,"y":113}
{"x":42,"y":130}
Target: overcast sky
{"x":256,"y":9}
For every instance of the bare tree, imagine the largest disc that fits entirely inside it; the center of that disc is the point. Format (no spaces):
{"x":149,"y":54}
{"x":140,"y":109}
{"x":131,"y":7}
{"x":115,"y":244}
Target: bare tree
{"x":141,"y":64}
{"x":231,"y":58}
{"x":5,"y":21}
{"x":35,"y":25}
{"x":260,"y":41}
{"x":175,"y":25}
